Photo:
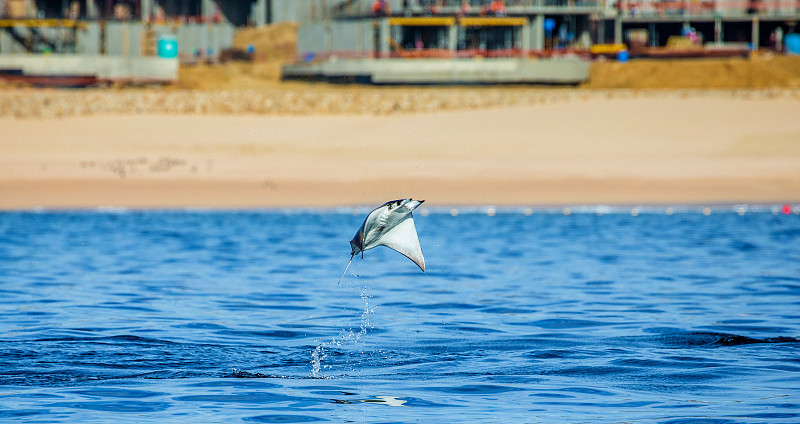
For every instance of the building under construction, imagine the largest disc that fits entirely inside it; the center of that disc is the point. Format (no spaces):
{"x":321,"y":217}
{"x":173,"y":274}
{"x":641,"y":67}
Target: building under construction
{"x":86,"y":41}
{"x":559,"y":23}
{"x":391,"y":41}
{"x":522,"y":40}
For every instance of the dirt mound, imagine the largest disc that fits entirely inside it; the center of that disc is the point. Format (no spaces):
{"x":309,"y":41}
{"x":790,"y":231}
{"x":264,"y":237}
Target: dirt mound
{"x":230,"y":76}
{"x":273,"y":46}
{"x":760,"y":71}
{"x":277,"y":42}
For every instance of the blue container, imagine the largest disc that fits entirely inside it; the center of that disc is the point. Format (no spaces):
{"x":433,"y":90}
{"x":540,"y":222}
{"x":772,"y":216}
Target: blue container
{"x":792,"y":42}
{"x":622,"y":56}
{"x":167,"y":46}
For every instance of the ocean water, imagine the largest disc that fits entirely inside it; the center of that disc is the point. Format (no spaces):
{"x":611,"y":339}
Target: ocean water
{"x":601,"y":315}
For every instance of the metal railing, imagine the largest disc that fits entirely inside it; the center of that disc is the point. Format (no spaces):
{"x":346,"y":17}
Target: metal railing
{"x":444,"y":54}
{"x":629,"y":8}
{"x":694,"y":8}
{"x":362,"y":8}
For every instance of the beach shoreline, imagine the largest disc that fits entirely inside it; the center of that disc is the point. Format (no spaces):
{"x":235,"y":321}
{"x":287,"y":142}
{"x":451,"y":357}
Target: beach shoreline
{"x":186,"y":194}
{"x":573,"y":148}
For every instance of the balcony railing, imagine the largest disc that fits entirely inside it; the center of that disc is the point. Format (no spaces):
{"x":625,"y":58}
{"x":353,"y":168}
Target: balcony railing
{"x":360,"y":8}
{"x":688,"y":8}
{"x":629,"y":8}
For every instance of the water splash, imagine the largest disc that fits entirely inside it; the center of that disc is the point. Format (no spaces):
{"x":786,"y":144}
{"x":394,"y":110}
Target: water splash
{"x":345,"y":338}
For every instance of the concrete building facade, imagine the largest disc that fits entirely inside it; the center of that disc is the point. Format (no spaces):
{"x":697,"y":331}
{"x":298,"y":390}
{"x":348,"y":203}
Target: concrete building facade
{"x":391,"y":29}
{"x":111,"y":39}
{"x":554,"y":24}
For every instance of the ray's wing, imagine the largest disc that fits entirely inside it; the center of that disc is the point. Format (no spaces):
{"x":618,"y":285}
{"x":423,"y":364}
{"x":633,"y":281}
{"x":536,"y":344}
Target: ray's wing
{"x":403,"y":238}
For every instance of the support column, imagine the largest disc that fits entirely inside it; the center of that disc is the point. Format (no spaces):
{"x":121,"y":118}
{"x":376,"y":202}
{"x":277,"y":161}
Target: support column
{"x":146,"y":9}
{"x":259,"y":12}
{"x":384,"y":34}
{"x":754,"y":33}
{"x":207,"y":9}
{"x":617,"y":30}
{"x":91,"y":9}
{"x":452,"y":39}
{"x":525,"y":37}
{"x":537,"y":33}
{"x":718,"y":29}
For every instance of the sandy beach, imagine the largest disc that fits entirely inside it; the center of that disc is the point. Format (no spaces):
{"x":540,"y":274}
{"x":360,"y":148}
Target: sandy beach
{"x":656,"y":148}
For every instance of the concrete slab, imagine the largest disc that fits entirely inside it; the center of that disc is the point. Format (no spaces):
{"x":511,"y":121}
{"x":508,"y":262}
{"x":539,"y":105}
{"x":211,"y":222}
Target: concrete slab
{"x":561,"y":70}
{"x":115,"y":68}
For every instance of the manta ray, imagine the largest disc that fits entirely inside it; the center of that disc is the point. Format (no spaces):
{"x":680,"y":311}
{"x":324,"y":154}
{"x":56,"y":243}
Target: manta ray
{"x":392,"y":225}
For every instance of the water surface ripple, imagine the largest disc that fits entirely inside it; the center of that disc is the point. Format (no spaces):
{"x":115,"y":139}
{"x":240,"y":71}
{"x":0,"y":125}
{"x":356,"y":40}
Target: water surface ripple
{"x":595,"y":316}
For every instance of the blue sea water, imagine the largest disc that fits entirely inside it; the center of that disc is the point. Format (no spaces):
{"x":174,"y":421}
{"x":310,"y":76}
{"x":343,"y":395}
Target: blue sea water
{"x":523,"y":316}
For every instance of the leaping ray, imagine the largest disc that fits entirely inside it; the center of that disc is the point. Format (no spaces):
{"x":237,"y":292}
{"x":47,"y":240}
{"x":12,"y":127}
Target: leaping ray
{"x":390,"y":225}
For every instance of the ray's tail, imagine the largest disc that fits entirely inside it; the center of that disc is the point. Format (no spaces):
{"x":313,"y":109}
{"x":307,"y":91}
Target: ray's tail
{"x":345,"y":269}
